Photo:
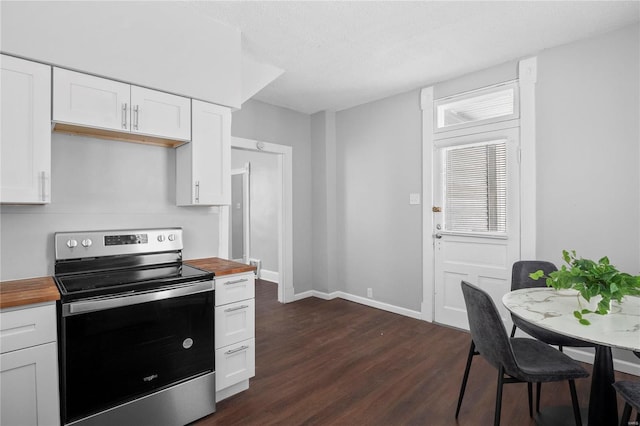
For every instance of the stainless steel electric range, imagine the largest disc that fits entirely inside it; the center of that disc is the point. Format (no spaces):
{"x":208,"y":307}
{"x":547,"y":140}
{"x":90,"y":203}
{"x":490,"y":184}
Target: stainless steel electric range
{"x":136,"y":329}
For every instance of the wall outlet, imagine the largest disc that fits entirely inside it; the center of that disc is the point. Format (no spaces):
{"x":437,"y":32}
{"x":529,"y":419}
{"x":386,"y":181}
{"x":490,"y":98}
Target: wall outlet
{"x":370,"y":292}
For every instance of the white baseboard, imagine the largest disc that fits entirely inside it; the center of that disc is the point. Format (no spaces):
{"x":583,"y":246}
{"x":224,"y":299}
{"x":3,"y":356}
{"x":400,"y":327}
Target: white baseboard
{"x":361,"y":300}
{"x":575,"y":353}
{"x":588,"y":357}
{"x":271,"y":276}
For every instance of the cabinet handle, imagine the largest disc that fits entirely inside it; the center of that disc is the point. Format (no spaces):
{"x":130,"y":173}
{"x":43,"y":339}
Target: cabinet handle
{"x":240,"y":349}
{"x":124,"y":115}
{"x":243,"y":280}
{"x":44,"y":178}
{"x":238,"y":308}
{"x":197,"y":192}
{"x":136,"y":115}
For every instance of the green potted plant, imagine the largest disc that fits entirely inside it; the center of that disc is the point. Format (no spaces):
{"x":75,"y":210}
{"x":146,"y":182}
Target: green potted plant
{"x":591,"y":279}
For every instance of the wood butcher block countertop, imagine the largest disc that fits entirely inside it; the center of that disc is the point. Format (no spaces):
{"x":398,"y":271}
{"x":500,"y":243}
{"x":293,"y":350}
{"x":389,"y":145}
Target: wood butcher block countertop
{"x":28,"y":291}
{"x":219,"y":266}
{"x":43,"y":289}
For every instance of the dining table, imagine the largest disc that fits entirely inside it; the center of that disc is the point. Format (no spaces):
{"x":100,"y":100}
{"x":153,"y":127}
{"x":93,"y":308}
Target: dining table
{"x":555,"y":310}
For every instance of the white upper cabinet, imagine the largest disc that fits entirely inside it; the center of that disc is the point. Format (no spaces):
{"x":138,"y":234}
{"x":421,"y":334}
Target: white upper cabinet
{"x":160,"y":114}
{"x":25,"y":140}
{"x":203,"y":167}
{"x":89,"y":101}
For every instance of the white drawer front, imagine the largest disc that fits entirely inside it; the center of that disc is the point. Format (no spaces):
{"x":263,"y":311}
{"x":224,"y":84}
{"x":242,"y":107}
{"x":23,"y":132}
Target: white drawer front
{"x":22,"y":328}
{"x":235,"y":363}
{"x":233,"y":288}
{"x":235,"y":322}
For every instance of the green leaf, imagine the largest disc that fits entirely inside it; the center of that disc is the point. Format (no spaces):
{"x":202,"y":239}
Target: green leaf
{"x":536,"y":275}
{"x":577,"y":314}
{"x":586,"y":311}
{"x":584,"y":322}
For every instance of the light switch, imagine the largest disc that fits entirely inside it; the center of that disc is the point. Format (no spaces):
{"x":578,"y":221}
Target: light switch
{"x":414,"y":198}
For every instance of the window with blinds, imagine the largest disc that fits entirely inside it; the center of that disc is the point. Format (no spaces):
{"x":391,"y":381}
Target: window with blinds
{"x":475,"y":187}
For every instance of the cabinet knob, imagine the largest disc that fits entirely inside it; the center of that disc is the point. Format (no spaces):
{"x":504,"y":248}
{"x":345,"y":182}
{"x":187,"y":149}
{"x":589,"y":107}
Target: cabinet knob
{"x":72,"y":243}
{"x":86,"y":242}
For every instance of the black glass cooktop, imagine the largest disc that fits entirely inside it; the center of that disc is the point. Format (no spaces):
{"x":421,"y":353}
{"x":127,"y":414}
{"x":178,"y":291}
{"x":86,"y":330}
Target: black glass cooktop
{"x":92,"y":284}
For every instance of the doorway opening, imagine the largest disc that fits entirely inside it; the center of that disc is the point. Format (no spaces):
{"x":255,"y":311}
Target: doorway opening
{"x":284,"y":213}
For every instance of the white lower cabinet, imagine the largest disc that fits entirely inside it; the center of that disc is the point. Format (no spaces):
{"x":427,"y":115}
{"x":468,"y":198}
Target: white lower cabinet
{"x":29,"y":367}
{"x":235,"y":333}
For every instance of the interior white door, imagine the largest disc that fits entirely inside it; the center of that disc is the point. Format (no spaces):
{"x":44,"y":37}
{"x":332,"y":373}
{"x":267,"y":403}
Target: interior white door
{"x":475,"y":242}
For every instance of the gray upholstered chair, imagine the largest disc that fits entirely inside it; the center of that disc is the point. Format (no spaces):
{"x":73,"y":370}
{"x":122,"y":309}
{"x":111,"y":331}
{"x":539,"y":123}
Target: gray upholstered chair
{"x":522,"y":360}
{"x":520,"y":279}
{"x":630,"y":392}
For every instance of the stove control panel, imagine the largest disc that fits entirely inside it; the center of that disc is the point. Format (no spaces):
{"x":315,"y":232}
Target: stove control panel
{"x":74,"y":245}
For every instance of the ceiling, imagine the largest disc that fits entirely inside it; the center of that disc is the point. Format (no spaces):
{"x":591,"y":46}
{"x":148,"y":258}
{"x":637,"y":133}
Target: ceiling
{"x":338,"y":54}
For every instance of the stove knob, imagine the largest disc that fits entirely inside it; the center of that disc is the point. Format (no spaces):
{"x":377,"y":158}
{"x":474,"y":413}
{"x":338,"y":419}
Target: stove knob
{"x":172,"y":237}
{"x":161,"y":238}
{"x":72,"y":243}
{"x":87,"y":242}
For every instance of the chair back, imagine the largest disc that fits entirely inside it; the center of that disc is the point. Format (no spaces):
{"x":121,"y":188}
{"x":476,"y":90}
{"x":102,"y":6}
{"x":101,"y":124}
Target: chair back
{"x":487,"y":329}
{"x":521,"y":270}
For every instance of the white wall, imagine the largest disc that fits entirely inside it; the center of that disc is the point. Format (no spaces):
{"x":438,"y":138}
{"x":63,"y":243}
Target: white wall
{"x":264,"y":189}
{"x":168,"y":45}
{"x":100,"y":184}
{"x":379,"y":235}
{"x":588,"y":145}
{"x":259,"y":121}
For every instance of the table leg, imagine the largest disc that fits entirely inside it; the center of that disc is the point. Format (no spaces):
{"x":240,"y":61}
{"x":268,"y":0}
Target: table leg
{"x":603,"y":408}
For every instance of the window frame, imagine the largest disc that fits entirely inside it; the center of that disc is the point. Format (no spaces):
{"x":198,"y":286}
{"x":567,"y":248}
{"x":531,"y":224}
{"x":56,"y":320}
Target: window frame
{"x":438,"y":103}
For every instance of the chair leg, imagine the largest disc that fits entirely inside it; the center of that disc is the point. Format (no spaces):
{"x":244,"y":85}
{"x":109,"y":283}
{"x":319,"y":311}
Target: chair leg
{"x":538,"y":389}
{"x":496,"y":419}
{"x":463,"y":386}
{"x":529,"y":392}
{"x":513,"y":330}
{"x":574,"y":401}
{"x":626,"y":415}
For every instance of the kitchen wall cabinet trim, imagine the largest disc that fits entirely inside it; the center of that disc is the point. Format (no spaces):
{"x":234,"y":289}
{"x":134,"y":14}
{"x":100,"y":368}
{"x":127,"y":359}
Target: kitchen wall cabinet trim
{"x":86,"y":104}
{"x":25,"y":141}
{"x":29,"y":366}
{"x":234,"y":333}
{"x":203,"y":167}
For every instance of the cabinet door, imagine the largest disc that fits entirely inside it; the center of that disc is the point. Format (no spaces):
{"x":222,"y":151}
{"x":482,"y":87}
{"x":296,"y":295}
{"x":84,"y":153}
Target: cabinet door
{"x":90,"y":101}
{"x":29,"y":386}
{"x":160,"y":114}
{"x":204,"y":165}
{"x":25,"y":140}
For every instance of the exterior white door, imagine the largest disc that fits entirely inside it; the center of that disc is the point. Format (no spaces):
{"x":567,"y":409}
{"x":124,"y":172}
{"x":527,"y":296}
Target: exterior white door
{"x":477,"y":218}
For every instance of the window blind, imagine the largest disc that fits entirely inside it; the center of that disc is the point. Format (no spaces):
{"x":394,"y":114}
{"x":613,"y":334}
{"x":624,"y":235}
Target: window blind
{"x":476,"y":188}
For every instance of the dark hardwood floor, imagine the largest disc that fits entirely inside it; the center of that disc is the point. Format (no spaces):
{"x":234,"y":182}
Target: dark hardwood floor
{"x":340,"y":363}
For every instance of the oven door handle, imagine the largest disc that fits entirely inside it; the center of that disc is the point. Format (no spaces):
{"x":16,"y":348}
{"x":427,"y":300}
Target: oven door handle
{"x":85,"y":306}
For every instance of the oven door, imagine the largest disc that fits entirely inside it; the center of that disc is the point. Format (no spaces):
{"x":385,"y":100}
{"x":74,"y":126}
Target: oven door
{"x":117,"y":349}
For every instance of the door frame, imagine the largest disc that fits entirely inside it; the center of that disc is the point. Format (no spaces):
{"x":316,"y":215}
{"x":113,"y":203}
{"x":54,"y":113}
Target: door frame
{"x":285,"y":213}
{"x":245,"y":171}
{"x":527,"y":78}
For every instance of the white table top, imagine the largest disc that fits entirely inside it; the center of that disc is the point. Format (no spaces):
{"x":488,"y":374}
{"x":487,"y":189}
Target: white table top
{"x":553,"y":310}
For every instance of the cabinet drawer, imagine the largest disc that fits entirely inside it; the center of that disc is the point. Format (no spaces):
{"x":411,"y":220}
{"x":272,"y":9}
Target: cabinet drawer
{"x":22,"y":328}
{"x":235,"y":363}
{"x":235,"y":322}
{"x":233,"y":288}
